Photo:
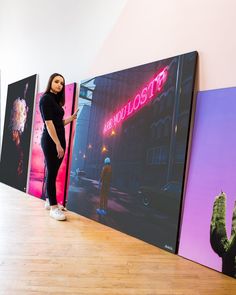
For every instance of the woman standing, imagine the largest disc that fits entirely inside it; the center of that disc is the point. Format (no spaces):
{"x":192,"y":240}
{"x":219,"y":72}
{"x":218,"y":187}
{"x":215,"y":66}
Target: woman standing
{"x":53,"y":137}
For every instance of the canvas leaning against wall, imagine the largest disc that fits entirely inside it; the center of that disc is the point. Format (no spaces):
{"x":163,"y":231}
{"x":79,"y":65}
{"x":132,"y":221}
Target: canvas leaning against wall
{"x":129,"y":155}
{"x":0,"y":114}
{"x":38,"y":170}
{"x":208,"y":234}
{"x":17,"y":133}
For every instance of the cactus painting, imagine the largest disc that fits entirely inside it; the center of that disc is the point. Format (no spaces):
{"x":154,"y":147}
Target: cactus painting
{"x":225,"y":247}
{"x":208,"y":230}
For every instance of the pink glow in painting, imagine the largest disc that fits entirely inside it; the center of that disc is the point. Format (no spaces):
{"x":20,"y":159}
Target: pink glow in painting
{"x":37,"y":169}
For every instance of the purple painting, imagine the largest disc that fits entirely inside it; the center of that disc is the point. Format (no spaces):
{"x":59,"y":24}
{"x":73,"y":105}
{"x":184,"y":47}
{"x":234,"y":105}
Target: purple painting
{"x":207,"y":237}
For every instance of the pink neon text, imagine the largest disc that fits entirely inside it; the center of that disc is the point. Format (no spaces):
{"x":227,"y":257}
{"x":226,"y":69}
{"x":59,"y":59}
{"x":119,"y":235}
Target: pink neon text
{"x":142,"y":98}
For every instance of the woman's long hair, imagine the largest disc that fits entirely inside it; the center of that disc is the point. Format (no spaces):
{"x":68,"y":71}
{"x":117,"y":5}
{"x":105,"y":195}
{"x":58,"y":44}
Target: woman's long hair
{"x":61,"y":94}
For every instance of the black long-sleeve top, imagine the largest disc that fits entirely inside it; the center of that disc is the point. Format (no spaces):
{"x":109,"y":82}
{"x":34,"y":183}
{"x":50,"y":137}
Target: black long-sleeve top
{"x":51,"y":110}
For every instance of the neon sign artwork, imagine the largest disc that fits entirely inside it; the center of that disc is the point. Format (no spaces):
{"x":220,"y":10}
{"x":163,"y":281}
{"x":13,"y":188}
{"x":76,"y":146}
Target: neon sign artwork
{"x":139,"y":101}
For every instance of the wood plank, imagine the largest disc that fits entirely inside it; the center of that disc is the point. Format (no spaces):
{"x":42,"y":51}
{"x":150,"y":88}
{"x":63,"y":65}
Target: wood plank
{"x":39,"y":255}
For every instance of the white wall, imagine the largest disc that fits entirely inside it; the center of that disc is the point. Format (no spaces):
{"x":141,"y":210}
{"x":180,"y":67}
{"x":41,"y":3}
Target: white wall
{"x":84,"y":38}
{"x":149,"y":30}
{"x":47,"y":36}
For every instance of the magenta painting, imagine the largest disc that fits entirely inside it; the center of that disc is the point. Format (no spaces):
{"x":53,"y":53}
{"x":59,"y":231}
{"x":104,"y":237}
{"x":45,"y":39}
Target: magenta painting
{"x":208,"y":234}
{"x":37,"y":170}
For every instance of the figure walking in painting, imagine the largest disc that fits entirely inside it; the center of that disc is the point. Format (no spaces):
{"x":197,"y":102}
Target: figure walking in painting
{"x":105,"y":182}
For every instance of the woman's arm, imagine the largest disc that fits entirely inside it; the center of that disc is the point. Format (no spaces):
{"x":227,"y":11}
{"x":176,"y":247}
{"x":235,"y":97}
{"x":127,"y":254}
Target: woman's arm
{"x":53,"y":134}
{"x":71,"y":118}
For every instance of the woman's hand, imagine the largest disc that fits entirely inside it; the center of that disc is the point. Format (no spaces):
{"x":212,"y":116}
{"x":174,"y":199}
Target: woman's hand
{"x":74,"y":116}
{"x":71,"y":118}
{"x":60,"y":151}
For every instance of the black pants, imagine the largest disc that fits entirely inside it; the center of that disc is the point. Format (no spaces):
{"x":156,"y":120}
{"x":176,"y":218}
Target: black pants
{"x":52,"y":165}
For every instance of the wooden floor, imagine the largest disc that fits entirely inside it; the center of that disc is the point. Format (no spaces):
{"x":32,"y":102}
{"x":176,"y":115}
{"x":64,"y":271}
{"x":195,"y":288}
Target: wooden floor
{"x":39,"y":255}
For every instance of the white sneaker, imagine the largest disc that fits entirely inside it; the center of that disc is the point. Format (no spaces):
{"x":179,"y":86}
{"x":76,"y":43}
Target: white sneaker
{"x":57,"y":214}
{"x":61,"y":207}
{"x":47,"y":205}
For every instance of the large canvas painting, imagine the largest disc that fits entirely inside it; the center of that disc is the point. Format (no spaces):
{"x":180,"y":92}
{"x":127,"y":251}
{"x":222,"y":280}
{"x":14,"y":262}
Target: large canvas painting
{"x":0,"y":116}
{"x":131,"y":140}
{"x":38,"y":169}
{"x":17,"y":133}
{"x":208,"y":234}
